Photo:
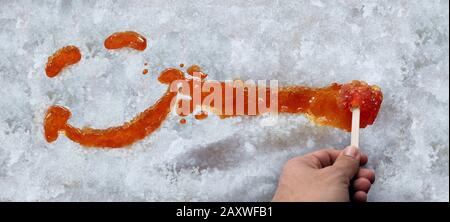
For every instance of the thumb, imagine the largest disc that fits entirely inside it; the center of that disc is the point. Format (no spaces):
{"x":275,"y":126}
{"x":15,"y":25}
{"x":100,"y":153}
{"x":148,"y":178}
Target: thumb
{"x":348,"y":162}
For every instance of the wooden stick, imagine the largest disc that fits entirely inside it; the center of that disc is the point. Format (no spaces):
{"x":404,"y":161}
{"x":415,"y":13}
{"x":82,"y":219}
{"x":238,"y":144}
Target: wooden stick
{"x":355,"y":127}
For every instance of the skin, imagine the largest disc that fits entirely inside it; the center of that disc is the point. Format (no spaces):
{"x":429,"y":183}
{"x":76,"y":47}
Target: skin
{"x":327,"y":175}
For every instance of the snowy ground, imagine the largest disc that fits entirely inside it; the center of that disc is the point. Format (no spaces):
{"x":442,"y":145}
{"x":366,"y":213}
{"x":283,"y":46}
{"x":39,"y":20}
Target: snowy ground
{"x":402,"y":46}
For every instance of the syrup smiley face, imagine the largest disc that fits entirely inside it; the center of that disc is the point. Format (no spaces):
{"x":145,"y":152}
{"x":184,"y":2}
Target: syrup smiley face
{"x":328,"y":106}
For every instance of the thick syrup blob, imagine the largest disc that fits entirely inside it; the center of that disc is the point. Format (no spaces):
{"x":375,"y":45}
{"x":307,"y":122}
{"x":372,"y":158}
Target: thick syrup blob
{"x":62,"y":58}
{"x":128,"y":39}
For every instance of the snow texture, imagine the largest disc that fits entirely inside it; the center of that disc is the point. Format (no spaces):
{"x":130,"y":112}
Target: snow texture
{"x":402,"y":46}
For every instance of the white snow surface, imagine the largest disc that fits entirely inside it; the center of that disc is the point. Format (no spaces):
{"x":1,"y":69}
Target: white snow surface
{"x":400,"y":45}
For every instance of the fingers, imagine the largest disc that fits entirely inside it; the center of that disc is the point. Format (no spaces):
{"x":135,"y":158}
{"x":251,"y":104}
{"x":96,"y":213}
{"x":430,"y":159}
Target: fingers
{"x":364,"y":159}
{"x":361,"y":187}
{"x":362,"y":184}
{"x":323,"y":158}
{"x":347,"y":163}
{"x":360,"y":196}
{"x":366,"y":173}
{"x":326,"y":157}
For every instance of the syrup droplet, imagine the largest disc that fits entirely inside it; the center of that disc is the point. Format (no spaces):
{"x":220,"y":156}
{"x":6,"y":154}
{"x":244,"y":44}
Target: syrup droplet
{"x":128,"y":39}
{"x":202,"y":115}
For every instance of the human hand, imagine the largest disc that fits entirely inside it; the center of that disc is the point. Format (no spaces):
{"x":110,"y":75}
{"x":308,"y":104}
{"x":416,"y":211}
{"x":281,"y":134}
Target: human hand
{"x":326,"y":175}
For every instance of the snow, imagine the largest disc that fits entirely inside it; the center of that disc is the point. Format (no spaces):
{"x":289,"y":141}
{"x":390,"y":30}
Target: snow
{"x":402,"y":46}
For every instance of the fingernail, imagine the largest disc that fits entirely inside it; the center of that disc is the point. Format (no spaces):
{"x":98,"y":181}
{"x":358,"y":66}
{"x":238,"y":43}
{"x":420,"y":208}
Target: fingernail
{"x":351,"y":151}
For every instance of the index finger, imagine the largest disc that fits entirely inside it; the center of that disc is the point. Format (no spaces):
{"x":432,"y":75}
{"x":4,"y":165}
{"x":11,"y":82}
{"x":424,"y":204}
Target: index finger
{"x":323,"y":158}
{"x":326,"y":157}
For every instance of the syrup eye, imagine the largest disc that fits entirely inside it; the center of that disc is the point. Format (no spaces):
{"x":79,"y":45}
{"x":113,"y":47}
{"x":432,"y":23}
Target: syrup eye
{"x":128,"y":39}
{"x":61,"y":59}
{"x":70,"y":54}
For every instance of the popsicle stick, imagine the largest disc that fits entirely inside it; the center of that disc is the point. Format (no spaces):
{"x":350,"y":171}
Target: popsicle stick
{"x":355,"y":127}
